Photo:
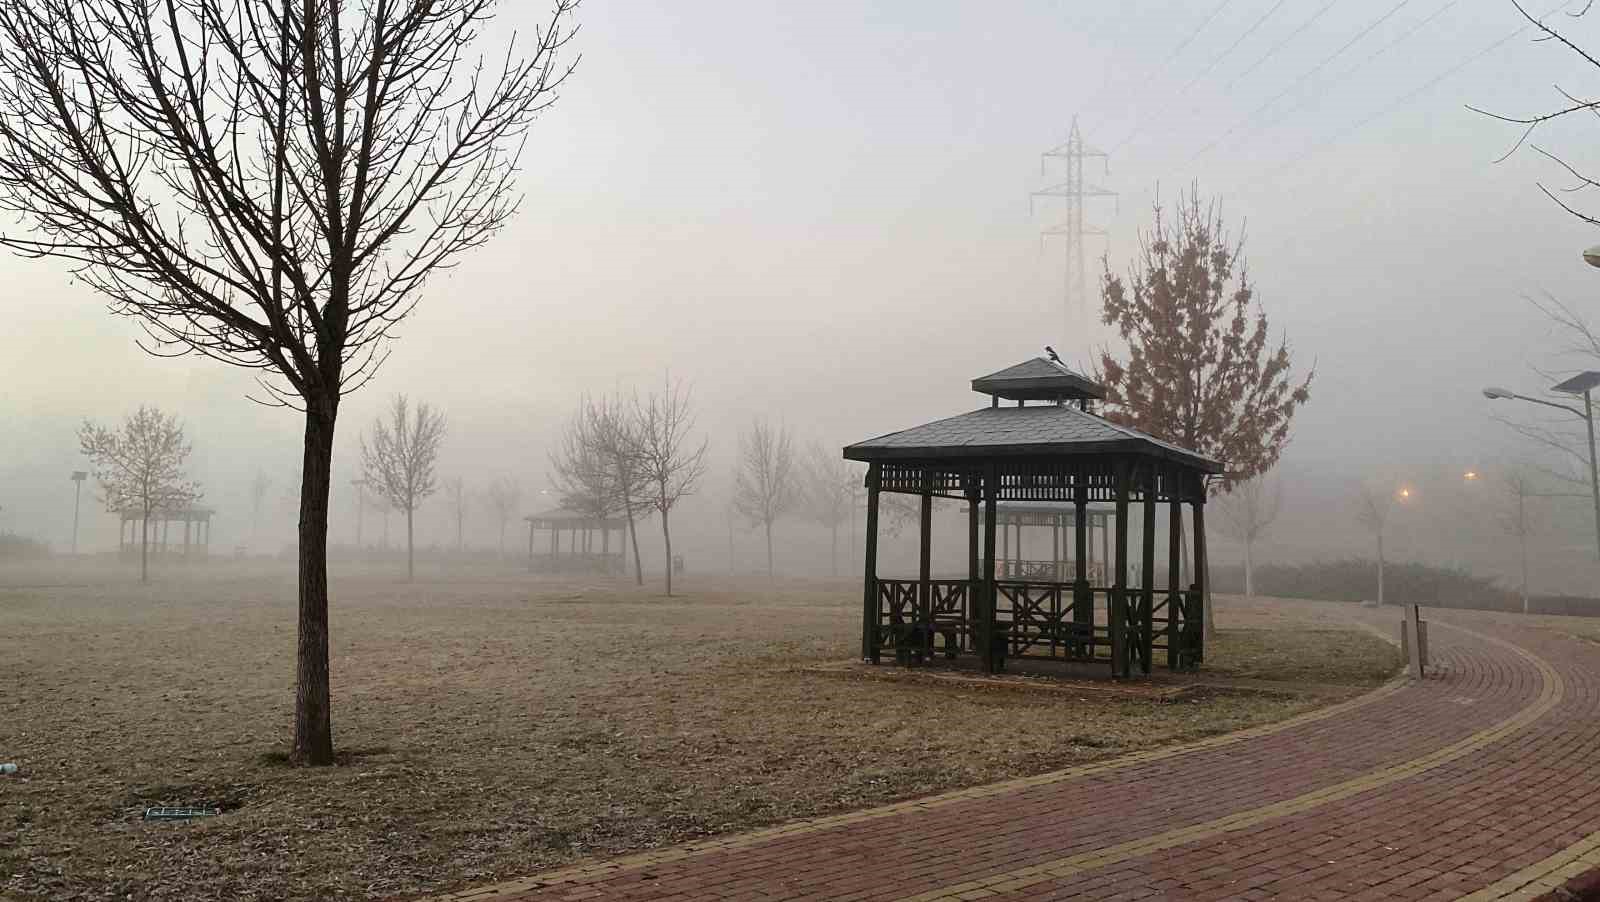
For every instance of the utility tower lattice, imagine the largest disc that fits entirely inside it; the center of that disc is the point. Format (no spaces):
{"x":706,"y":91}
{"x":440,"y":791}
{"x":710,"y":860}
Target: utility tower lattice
{"x":1076,"y":192}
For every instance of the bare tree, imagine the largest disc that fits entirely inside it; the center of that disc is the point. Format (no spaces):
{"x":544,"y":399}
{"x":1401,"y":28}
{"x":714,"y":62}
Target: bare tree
{"x":140,"y":468}
{"x":1246,"y":513}
{"x":399,"y":459}
{"x":615,"y":433}
{"x":584,"y":474}
{"x":765,"y":486}
{"x":270,"y":185}
{"x":827,"y":489}
{"x":456,"y":491}
{"x":1514,"y":520}
{"x":1372,"y":511}
{"x":505,"y":496}
{"x":669,"y":461}
{"x":259,"y":486}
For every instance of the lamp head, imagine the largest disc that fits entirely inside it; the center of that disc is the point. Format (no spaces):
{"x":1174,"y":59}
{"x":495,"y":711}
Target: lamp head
{"x":1493,"y":393}
{"x":1591,"y":255}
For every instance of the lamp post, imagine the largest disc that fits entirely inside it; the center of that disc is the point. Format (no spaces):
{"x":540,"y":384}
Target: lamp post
{"x":78,"y":476}
{"x":1581,"y":384}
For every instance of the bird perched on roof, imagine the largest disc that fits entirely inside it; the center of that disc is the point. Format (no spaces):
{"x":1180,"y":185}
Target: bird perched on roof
{"x":1054,"y":358}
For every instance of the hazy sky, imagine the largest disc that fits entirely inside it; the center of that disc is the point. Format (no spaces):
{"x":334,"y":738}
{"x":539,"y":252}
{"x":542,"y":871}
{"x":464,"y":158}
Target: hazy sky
{"x":820,"y":212}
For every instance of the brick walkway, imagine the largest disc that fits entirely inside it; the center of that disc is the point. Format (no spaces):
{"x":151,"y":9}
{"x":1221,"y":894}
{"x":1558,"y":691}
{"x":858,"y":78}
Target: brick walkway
{"x":1481,"y":782}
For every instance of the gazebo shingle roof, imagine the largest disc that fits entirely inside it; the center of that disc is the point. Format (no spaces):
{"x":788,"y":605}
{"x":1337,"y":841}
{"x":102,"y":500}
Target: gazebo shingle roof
{"x":1043,"y":430}
{"x":1039,"y":379}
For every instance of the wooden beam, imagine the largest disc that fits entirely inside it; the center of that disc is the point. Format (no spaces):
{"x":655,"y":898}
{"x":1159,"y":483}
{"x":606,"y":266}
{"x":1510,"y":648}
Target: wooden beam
{"x":1146,"y":646}
{"x":986,"y":604}
{"x":869,"y":591}
{"x":1202,"y":577}
{"x":925,"y":557}
{"x":1082,"y":593}
{"x":1174,"y":578}
{"x":974,"y":574}
{"x":1119,"y":587}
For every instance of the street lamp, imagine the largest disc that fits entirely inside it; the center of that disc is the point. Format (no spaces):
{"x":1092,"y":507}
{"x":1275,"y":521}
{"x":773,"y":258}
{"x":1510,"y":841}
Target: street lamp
{"x":1582,"y":384}
{"x":78,"y":476}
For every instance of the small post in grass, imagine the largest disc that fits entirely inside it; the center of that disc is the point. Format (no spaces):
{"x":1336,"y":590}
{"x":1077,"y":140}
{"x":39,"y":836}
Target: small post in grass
{"x":1416,"y":654}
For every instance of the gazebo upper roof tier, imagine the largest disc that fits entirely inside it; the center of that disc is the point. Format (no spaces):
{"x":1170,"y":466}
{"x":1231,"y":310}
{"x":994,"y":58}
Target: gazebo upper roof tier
{"x":1040,"y":431}
{"x":1039,"y":379}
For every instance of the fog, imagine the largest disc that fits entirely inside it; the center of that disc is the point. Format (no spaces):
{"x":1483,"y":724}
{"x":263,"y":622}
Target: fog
{"x":821,"y":215}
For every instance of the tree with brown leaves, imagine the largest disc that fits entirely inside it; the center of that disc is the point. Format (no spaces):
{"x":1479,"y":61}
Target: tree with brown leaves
{"x":270,"y":184}
{"x":1200,"y":369}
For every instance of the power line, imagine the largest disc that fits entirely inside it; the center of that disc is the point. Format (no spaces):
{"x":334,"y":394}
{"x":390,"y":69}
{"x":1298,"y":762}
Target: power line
{"x":1203,"y":73}
{"x":1175,"y":53}
{"x":1280,"y":45}
{"x":1302,"y":79}
{"x":1412,"y":95}
{"x":1347,"y":73}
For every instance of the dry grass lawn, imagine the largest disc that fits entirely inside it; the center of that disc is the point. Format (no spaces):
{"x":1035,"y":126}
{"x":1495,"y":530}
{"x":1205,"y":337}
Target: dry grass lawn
{"x":496,"y":725}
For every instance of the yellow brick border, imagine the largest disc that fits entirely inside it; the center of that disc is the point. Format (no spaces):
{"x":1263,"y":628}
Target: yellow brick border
{"x":597,"y":871}
{"x":1552,"y":690}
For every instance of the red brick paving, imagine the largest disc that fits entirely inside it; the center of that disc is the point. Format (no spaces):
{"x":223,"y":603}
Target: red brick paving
{"x":1446,"y":832}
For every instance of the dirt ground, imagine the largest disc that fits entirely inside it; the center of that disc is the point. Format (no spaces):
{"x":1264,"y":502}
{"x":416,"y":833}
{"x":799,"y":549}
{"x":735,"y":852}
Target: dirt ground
{"x":493,"y":724}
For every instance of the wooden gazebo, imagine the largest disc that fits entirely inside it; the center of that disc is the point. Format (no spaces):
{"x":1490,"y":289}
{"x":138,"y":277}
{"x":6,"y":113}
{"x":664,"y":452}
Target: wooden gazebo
{"x":1053,"y":454}
{"x":195,"y":542}
{"x":580,"y":555}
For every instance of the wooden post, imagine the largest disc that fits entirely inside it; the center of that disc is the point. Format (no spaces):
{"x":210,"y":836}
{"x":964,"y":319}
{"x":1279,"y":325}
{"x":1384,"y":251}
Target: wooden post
{"x":1146,"y":620}
{"x":974,"y":575}
{"x":869,"y":591}
{"x":1082,"y":594}
{"x":986,"y":604}
{"x":1174,"y":575}
{"x":925,"y":563}
{"x":1202,"y":575}
{"x":1119,"y":588}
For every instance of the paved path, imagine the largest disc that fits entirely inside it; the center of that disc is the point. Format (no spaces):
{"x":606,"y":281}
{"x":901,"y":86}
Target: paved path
{"x":1480,"y":782}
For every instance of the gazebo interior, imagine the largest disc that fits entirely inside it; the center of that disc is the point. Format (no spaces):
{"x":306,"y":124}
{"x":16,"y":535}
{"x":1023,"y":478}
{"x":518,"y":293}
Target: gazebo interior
{"x":1044,"y":461}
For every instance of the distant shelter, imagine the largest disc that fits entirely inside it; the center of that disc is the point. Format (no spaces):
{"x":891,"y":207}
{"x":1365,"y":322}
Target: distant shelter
{"x":1044,"y":461}
{"x":587,"y":539}
{"x":194,"y":543}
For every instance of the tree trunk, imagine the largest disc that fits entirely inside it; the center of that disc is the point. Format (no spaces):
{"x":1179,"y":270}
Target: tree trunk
{"x":411,"y":554}
{"x":633,"y":535}
{"x":502,"y":538}
{"x":769,"y":550}
{"x":144,"y":551}
{"x":666,"y":536}
{"x":1249,"y":573}
{"x":313,"y":719}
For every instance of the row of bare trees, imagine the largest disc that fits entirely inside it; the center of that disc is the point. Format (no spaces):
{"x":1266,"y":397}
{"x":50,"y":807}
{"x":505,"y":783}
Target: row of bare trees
{"x":632,"y":456}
